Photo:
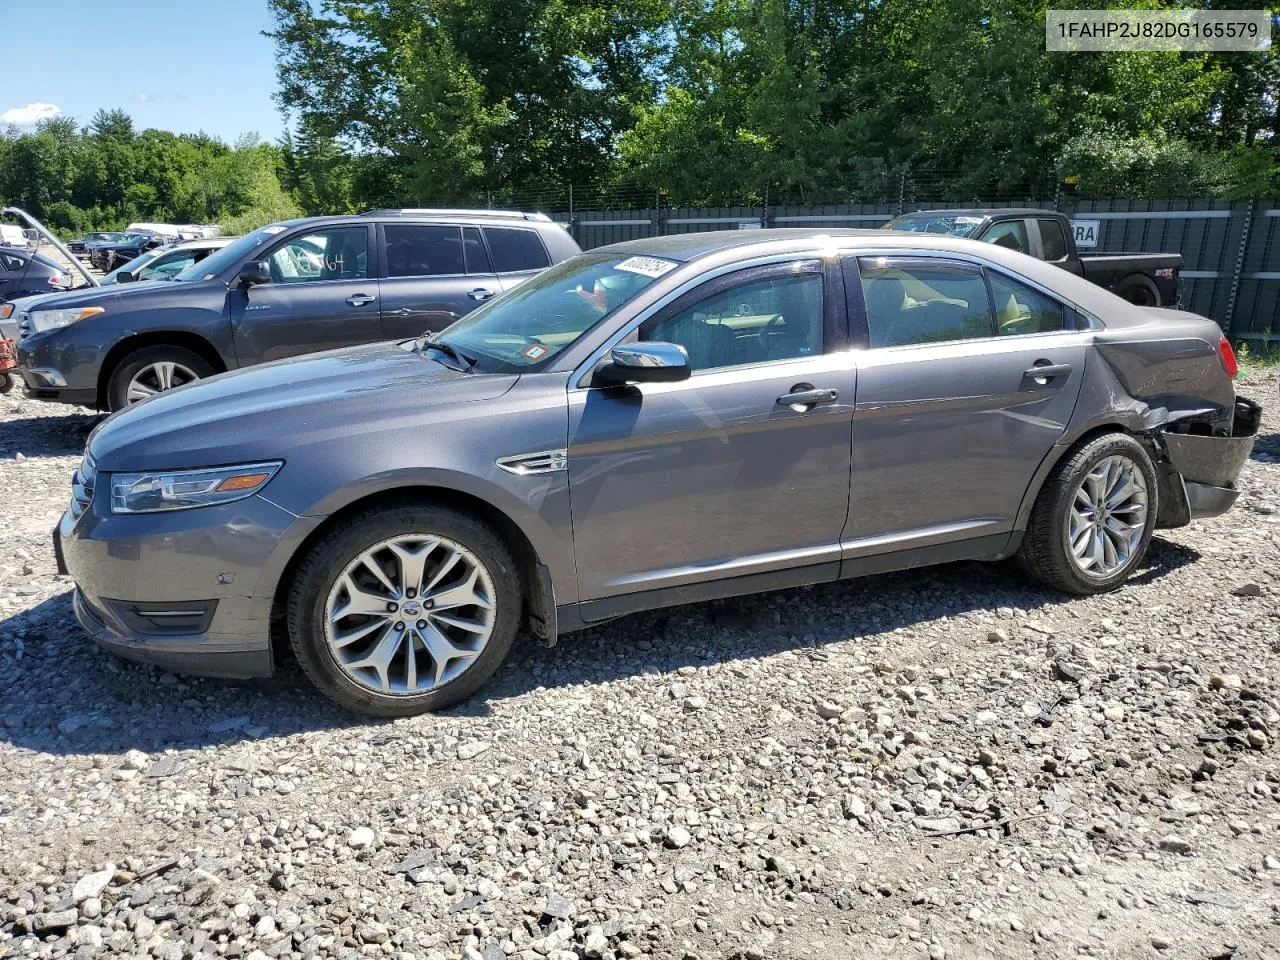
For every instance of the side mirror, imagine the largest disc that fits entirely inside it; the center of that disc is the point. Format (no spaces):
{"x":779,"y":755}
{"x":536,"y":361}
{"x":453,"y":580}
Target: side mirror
{"x":124,"y":276}
{"x":652,"y":362}
{"x":254,"y":272}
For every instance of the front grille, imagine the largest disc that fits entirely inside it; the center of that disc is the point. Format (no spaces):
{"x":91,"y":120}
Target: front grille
{"x":82,"y":486}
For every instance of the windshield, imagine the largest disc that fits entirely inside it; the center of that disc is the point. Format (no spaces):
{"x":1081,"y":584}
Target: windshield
{"x":955,"y":225}
{"x":229,"y":255}
{"x":542,"y":316}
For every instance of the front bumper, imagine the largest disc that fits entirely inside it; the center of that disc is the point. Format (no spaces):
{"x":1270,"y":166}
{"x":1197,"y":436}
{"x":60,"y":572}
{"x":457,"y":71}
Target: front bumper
{"x":191,"y":590}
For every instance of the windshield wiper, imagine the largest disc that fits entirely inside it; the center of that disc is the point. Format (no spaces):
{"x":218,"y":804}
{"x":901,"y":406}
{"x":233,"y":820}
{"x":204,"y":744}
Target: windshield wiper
{"x":428,"y":340}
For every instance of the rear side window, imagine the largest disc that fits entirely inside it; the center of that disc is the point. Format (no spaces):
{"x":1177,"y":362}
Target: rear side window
{"x":423,"y":250}
{"x":477,"y":255}
{"x":1020,"y":309}
{"x":920,"y":301}
{"x":1011,"y":234}
{"x":516,"y":249}
{"x":1052,"y":239}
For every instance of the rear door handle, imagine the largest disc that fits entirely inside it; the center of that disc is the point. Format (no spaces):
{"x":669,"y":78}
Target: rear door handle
{"x":1045,"y":370}
{"x":480,"y":293}
{"x":360,"y":299}
{"x":803,"y":395}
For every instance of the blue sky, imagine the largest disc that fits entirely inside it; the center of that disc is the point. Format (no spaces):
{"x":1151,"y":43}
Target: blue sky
{"x":180,"y":65}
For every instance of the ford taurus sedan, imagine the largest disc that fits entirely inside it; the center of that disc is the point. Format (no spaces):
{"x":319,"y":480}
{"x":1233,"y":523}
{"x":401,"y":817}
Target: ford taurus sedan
{"x":648,"y":424}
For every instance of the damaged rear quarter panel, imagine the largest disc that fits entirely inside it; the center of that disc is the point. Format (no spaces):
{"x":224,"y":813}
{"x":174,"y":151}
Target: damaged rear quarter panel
{"x":1144,"y":376}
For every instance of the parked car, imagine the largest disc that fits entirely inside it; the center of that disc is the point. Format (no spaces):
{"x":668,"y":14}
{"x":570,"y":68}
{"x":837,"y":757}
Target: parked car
{"x":161,"y":263}
{"x":80,"y":245}
{"x":107,"y":255}
{"x":24,"y":272}
{"x":1145,"y":279}
{"x":284,"y":290}
{"x":652,"y":423}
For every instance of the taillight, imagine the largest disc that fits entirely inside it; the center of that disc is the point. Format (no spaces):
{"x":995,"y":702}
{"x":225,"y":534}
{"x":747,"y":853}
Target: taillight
{"x":1228,"y":357}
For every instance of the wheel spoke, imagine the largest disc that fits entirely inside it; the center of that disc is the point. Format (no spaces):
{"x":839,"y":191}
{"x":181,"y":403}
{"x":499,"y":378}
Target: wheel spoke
{"x":441,"y":650}
{"x":412,"y":562}
{"x":462,"y":623}
{"x":449,"y":563}
{"x":359,"y":601}
{"x":373,"y":566}
{"x":139,"y":391}
{"x":164,"y":374}
{"x":464,"y":594}
{"x":379,"y":658}
{"x":341,"y":640}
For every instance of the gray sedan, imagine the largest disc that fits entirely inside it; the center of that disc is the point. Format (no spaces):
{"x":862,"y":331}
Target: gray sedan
{"x":653,"y":423}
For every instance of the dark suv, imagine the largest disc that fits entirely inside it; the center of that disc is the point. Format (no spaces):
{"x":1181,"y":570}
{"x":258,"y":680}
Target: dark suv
{"x":287,"y":289}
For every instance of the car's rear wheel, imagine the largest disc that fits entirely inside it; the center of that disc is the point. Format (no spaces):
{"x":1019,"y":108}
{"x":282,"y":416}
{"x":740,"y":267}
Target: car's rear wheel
{"x":1140,"y":291}
{"x":404,"y":609}
{"x":152,"y":370}
{"x":1094,"y":518}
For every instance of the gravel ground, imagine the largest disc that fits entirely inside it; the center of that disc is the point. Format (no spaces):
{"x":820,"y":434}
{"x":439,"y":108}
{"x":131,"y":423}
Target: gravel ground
{"x":943,"y":763}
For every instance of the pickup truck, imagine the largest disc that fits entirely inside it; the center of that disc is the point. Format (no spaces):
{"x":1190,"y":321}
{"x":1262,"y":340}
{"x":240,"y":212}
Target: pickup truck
{"x":1146,"y":279}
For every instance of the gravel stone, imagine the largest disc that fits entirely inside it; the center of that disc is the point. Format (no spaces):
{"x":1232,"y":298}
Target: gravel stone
{"x":750,"y":778}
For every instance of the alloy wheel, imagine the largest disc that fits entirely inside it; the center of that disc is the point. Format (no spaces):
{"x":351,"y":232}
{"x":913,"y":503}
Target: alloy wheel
{"x":156,"y":378}
{"x":410,"y":614}
{"x":1107,"y":517}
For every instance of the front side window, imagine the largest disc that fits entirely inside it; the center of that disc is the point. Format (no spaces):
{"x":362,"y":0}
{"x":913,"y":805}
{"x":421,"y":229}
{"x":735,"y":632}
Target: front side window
{"x":1020,"y":309}
{"x":1010,"y":233}
{"x":166,"y":265}
{"x":515,"y":250}
{"x":757,"y":321}
{"x":340,"y":253}
{"x":1053,"y":240}
{"x":532,"y":323}
{"x":423,"y":250}
{"x":913,"y":302}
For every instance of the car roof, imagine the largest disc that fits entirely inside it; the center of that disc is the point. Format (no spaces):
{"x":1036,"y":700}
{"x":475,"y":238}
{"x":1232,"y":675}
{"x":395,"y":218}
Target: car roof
{"x":728,"y":247}
{"x":479,"y":215}
{"x":982,"y":212}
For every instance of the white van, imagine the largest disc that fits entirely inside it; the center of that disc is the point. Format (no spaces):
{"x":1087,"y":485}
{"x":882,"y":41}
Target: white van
{"x":13,"y":236}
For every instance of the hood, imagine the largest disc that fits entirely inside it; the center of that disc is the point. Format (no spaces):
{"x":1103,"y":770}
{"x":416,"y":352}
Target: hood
{"x":105,"y":295}
{"x":260,"y":412}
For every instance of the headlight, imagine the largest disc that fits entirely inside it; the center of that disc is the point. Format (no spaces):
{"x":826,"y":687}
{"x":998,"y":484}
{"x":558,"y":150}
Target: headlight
{"x":182,"y":490}
{"x":42,"y":320}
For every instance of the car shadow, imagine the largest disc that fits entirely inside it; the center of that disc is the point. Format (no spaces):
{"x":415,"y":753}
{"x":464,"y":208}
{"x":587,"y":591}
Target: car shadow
{"x":1267,"y":444}
{"x":66,"y":696}
{"x":53,"y":436}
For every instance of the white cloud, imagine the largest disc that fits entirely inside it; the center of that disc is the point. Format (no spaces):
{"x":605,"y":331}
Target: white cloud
{"x":29,"y":115}
{"x":142,"y":97}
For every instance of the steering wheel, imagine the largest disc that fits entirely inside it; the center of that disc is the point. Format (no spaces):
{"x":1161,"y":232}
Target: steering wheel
{"x":763,"y":335}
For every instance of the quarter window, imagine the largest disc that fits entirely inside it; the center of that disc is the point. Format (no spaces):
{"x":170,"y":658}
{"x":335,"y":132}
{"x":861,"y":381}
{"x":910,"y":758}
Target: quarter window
{"x":912,"y":302}
{"x":423,"y":250}
{"x":1052,"y":240}
{"x":1020,"y":309}
{"x":515,"y":250}
{"x":1010,"y":233}
{"x":337,"y":254}
{"x":762,"y":320}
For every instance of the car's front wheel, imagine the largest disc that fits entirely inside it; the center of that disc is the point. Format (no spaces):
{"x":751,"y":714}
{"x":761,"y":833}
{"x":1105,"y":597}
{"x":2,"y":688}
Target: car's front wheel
{"x":1094,"y":518}
{"x":404,"y":609}
{"x":152,"y":370}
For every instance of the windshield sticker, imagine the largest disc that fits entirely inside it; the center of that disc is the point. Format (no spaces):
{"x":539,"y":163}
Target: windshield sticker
{"x":646,"y":266}
{"x":535,"y":351}
{"x":273,"y":230}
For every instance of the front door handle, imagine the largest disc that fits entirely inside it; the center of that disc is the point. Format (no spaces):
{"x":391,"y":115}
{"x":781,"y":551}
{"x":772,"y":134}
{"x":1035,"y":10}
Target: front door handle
{"x":480,"y":293}
{"x":1044,"y":370}
{"x":360,"y":299}
{"x":804,"y":395}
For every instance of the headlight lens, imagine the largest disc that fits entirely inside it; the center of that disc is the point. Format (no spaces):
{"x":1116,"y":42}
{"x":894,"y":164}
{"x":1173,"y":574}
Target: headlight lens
{"x":183,"y":490}
{"x":42,"y":320}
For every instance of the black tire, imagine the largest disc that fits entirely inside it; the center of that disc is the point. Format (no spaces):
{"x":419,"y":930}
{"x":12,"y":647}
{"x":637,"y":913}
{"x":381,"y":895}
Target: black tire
{"x":1139,"y":290}
{"x":353,"y":535}
{"x":1045,"y":554}
{"x":132,"y":363}
{"x":6,"y":382}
